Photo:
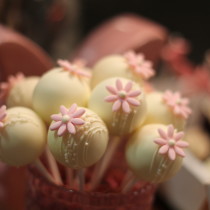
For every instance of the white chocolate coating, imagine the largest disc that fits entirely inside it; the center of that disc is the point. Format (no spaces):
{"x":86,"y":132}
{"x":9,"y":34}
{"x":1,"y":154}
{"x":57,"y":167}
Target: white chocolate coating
{"x":22,"y":92}
{"x":84,"y":148}
{"x":143,"y":158}
{"x":160,"y":112}
{"x":118,"y":123}
{"x":58,"y":87}
{"x":23,"y":137}
{"x":112,"y":66}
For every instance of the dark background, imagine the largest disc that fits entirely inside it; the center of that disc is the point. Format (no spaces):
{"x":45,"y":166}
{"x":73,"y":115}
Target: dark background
{"x":190,"y":19}
{"x":56,"y":23}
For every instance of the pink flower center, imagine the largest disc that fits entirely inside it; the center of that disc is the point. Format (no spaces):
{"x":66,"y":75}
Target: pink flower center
{"x":122,"y":94}
{"x":65,"y":118}
{"x":171,"y":142}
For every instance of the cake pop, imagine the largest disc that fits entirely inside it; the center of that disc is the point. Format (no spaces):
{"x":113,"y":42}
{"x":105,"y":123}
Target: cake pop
{"x":22,"y":136}
{"x":167,"y":108}
{"x":154,"y":153}
{"x":130,"y":65}
{"x":120,"y":103}
{"x":18,"y":90}
{"x":77,"y":137}
{"x":65,"y":85}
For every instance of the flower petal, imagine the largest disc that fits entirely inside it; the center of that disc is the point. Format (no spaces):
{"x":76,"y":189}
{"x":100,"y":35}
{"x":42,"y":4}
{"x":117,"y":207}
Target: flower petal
{"x":1,"y":124}
{"x":84,"y":73}
{"x":128,"y":86}
{"x":4,"y":86}
{"x":179,"y":151}
{"x":177,"y":109}
{"x":77,"y":121}
{"x":116,"y":106}
{"x":177,"y":95}
{"x":171,"y":154}
{"x":134,"y":93}
{"x":126,"y":107}
{"x":162,"y":134}
{"x":111,"y":89}
{"x":133,"y":101}
{"x":119,"y":84}
{"x":3,"y":115}
{"x":178,"y":136}
{"x":3,"y":108}
{"x":56,"y":117}
{"x":185,"y":101}
{"x":170,"y":131}
{"x":63,"y":110}
{"x":62,"y":130}
{"x":73,"y":108}
{"x":160,"y":141}
{"x":78,"y":113}
{"x":164,"y":149}
{"x":55,"y":125}
{"x":182,"y":144}
{"x":71,"y":128}
{"x":111,"y":98}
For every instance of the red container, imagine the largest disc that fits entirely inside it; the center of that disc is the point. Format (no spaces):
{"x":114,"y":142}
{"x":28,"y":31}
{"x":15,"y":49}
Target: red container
{"x":45,"y":195}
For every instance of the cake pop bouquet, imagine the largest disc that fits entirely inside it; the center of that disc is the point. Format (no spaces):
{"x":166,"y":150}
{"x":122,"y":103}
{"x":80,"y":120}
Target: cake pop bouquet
{"x":102,"y":139}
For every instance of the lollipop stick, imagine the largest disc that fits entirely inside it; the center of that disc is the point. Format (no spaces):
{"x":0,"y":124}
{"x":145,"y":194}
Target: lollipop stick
{"x":81,"y":177}
{"x":53,"y":167}
{"x":128,"y":176}
{"x":128,"y":186}
{"x":38,"y":164}
{"x":69,"y":177}
{"x":102,"y":166}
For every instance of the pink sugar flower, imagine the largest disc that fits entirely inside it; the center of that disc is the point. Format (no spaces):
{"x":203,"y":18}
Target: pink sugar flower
{"x":139,"y":65}
{"x":67,"y":120}
{"x":5,"y":87}
{"x":75,"y":68}
{"x":3,"y":115}
{"x":170,"y":143}
{"x":122,"y":96}
{"x":177,"y":104}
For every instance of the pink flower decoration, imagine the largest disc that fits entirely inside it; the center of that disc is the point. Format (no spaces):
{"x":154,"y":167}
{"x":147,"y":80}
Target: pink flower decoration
{"x":177,"y":104}
{"x":5,"y":87}
{"x":122,"y":96}
{"x":139,"y":65}
{"x":3,"y":115}
{"x":67,"y":120}
{"x":170,"y":142}
{"x":75,"y":68}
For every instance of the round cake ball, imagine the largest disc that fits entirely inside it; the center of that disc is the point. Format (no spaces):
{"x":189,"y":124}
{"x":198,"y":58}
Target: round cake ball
{"x":155,"y":152}
{"x":77,"y":137}
{"x":130,"y":65}
{"x":22,"y":136}
{"x":120,"y":103}
{"x":167,"y":108}
{"x":18,"y":90}
{"x":21,"y":94}
{"x":64,"y":85}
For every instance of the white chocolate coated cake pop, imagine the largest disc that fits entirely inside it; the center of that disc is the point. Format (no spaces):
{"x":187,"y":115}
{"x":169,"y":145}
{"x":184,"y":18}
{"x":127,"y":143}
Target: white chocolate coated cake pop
{"x":18,"y":90}
{"x":167,"y":108}
{"x":22,"y":136}
{"x":130,"y":65}
{"x":64,"y":85}
{"x":77,"y":137}
{"x":155,"y":152}
{"x":120,"y":103}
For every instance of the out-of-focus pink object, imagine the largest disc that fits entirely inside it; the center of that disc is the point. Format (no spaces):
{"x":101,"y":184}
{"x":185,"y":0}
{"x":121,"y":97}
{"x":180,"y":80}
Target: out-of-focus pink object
{"x":174,"y":53}
{"x":19,"y":54}
{"x":194,"y":78}
{"x":121,"y":34}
